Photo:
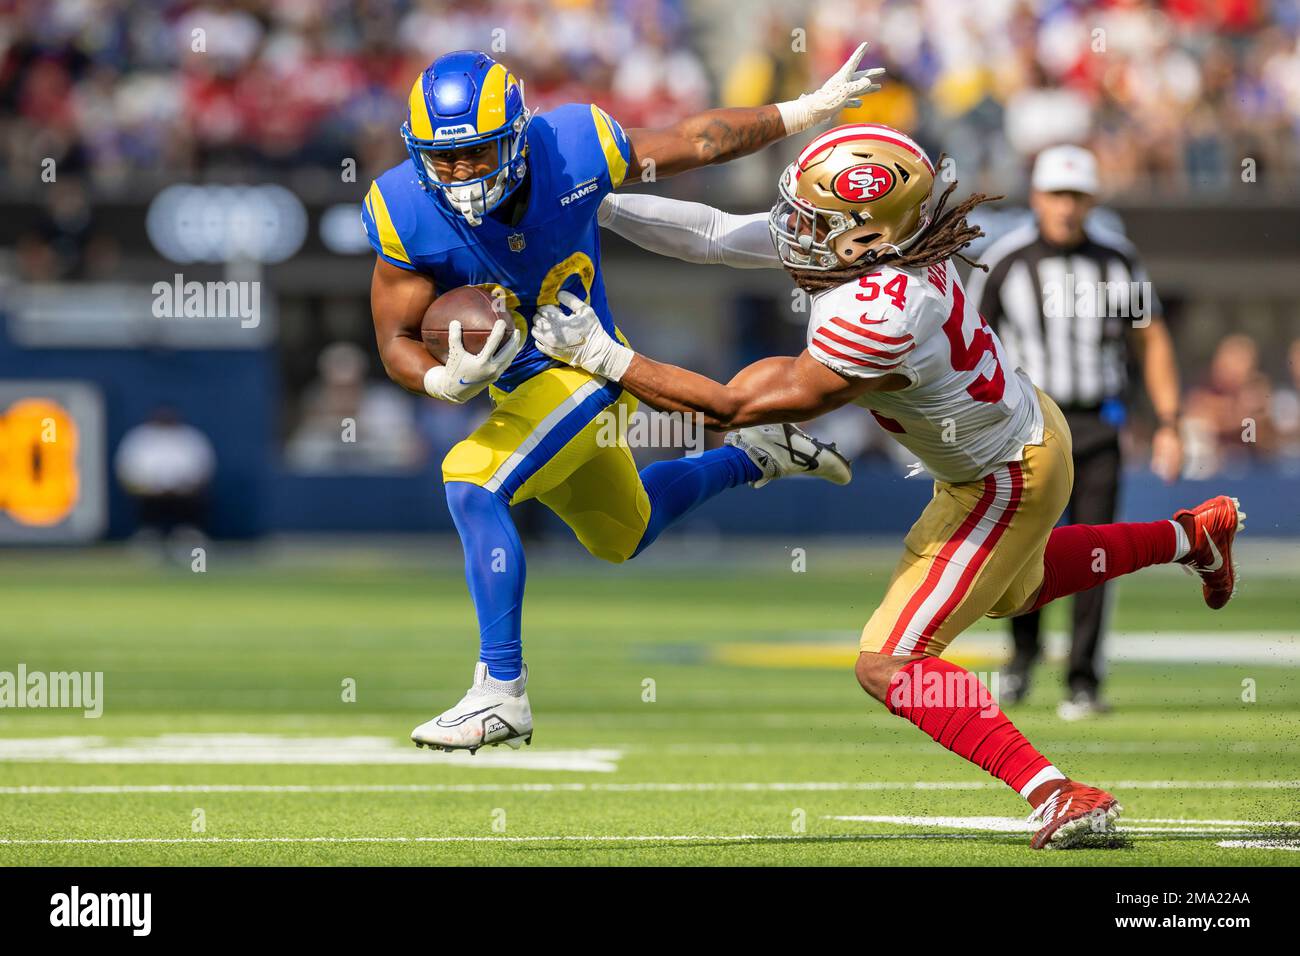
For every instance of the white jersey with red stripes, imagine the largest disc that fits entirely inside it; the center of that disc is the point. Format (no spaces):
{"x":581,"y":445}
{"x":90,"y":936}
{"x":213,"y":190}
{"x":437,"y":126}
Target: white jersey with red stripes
{"x":965,"y":411}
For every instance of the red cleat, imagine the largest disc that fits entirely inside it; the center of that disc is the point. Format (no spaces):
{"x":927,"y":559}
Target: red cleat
{"x":1211,"y":528}
{"x":1072,"y":813}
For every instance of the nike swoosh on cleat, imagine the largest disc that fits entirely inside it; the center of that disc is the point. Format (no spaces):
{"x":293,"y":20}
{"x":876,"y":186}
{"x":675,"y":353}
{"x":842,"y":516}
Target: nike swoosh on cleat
{"x":803,"y":459}
{"x":1218,"y":558}
{"x":457,"y":721}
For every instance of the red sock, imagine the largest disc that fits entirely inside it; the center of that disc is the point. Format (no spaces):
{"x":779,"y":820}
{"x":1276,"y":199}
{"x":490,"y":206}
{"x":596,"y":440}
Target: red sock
{"x":1081,"y":556}
{"x":952,"y":706}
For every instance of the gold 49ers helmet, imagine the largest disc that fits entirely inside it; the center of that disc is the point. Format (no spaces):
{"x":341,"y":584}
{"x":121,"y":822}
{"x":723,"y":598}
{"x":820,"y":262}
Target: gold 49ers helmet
{"x":854,"y":194}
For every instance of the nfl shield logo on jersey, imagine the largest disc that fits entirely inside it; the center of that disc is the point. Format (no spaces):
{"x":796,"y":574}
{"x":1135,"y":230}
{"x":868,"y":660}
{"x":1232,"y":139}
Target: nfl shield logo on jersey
{"x":516,"y":241}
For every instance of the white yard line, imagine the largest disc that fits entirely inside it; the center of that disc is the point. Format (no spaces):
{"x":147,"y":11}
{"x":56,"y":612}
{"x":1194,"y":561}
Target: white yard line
{"x":289,"y":750}
{"x":590,"y":838}
{"x":644,"y":787}
{"x":1217,"y":823}
{"x":579,"y":838}
{"x":731,"y":749}
{"x":1201,"y":784}
{"x":1259,"y":844}
{"x":1022,"y":824}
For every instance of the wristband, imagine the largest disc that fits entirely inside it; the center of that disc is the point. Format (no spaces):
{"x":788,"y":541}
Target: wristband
{"x":796,"y":115}
{"x":434,"y":382}
{"x":614,"y":365}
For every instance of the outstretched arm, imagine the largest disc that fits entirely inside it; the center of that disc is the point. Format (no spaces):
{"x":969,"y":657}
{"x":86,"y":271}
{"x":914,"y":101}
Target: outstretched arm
{"x":778,"y":389}
{"x":714,"y":136}
{"x":717,"y":136}
{"x":772,"y":390}
{"x":690,"y":231}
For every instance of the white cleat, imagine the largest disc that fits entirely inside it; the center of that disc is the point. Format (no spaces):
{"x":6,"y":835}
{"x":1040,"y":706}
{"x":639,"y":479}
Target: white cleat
{"x":491,"y":712}
{"x":781,"y":450}
{"x":1081,"y":706}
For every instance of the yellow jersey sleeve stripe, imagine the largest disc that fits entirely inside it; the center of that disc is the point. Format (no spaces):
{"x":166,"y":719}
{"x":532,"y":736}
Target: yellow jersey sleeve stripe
{"x":492,"y":101}
{"x":388,"y":237}
{"x":613,"y":155}
{"x":421,"y":124}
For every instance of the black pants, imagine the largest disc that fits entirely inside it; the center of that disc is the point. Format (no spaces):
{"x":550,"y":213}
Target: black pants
{"x":1093,"y":501}
{"x":167,"y":512}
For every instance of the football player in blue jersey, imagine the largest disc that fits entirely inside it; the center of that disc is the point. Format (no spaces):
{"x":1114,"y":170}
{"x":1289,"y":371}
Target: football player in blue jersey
{"x":499,"y":198}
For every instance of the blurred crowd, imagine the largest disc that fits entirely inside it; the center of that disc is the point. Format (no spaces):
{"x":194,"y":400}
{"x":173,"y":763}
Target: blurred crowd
{"x":1238,"y":416}
{"x":124,"y":90}
{"x":1173,"y":94}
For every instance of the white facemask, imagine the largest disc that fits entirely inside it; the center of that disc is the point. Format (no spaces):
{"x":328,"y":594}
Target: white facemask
{"x":471,"y":201}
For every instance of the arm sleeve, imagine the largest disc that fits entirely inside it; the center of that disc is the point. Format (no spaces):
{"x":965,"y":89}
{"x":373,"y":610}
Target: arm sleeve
{"x":691,"y":231}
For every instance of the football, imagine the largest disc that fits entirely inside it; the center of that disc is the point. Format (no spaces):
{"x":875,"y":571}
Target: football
{"x":469,"y":305}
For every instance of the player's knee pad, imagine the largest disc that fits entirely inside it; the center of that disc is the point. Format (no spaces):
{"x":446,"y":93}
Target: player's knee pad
{"x":468,"y":461}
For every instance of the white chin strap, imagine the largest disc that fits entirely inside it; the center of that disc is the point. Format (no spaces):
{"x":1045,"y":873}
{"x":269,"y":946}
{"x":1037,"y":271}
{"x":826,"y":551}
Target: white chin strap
{"x":472,"y":202}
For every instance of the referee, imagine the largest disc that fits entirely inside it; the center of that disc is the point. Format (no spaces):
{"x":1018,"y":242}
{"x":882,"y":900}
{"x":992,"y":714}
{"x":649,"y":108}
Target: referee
{"x":1068,"y":303}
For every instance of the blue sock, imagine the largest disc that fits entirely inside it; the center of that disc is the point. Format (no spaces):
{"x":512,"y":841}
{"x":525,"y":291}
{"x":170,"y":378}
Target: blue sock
{"x":494,"y":569}
{"x":678,"y":487}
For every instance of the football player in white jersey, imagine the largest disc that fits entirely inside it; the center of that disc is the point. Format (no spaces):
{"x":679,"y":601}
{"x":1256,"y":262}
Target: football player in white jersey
{"x":892,"y":330}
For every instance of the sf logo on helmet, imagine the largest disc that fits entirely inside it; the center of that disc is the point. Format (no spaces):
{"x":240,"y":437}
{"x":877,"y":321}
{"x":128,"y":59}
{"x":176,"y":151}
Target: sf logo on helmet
{"x":863,"y":183}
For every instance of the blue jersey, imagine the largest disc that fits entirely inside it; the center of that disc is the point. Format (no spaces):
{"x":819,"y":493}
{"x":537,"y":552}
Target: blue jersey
{"x":576,"y":154}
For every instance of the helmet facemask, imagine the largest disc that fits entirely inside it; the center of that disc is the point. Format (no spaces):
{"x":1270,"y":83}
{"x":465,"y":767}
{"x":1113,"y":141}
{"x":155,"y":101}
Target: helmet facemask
{"x":472,"y":199}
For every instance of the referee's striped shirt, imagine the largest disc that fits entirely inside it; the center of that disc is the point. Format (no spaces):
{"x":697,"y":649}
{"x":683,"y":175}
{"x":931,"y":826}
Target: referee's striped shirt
{"x":1062,"y":315}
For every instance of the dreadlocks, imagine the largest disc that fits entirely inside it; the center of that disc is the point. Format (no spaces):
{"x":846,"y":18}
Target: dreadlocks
{"x":947,"y":235}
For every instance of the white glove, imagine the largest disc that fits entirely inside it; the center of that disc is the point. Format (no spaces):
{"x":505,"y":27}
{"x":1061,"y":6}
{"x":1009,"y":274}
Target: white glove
{"x":845,"y":88}
{"x":577,"y":338}
{"x":465,"y":375}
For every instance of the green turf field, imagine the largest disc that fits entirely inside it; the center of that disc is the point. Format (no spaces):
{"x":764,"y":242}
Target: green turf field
{"x":226,"y":738}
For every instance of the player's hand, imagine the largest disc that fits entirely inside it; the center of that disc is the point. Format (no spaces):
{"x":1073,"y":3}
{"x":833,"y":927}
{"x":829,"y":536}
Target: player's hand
{"x":465,"y":374}
{"x":1167,"y":453}
{"x":845,"y":89}
{"x":571,"y":332}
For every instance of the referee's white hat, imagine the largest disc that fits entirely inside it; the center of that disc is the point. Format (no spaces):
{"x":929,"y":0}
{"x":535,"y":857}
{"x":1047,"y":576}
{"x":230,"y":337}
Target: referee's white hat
{"x":1061,"y":168}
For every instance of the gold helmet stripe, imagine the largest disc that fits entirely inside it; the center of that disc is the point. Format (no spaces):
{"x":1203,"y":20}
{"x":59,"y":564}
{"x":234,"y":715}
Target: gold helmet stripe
{"x":840,"y":134}
{"x":421,"y":125}
{"x":492,"y":100}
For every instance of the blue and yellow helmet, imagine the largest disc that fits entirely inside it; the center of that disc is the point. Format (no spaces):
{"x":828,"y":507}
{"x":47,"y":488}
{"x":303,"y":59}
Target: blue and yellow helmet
{"x":466,"y":99}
